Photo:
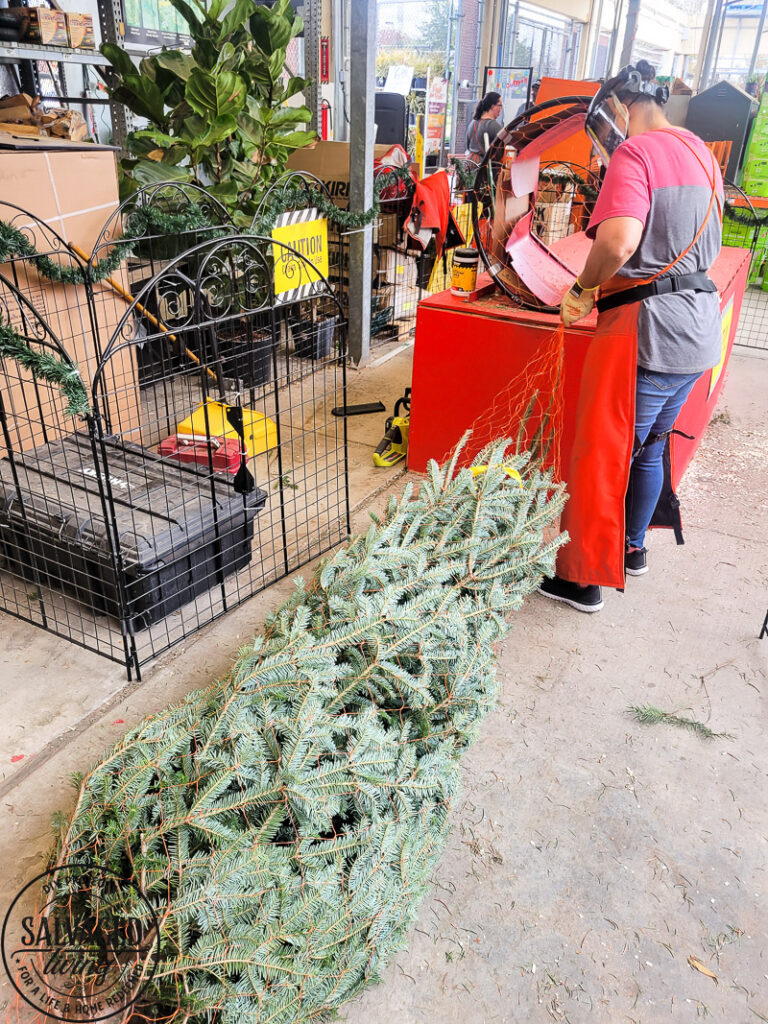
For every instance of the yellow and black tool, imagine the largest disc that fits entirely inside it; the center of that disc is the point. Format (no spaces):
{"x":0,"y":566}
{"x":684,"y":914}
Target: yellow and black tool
{"x":394,"y":445}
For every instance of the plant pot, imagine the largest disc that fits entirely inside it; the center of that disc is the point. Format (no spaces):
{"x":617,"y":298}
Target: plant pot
{"x":246,"y":356}
{"x":317,"y":341}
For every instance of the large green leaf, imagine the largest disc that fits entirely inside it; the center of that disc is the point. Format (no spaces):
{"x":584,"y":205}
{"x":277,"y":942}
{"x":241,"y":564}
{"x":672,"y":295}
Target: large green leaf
{"x":217,"y":130}
{"x":251,"y":128}
{"x":161,"y":140}
{"x":200,"y":92}
{"x":290,"y":115}
{"x":294,"y":86}
{"x":181,"y":64}
{"x":142,"y":96}
{"x":293,"y":140}
{"x":227,"y":190}
{"x":270,"y":30}
{"x":150,"y":172}
{"x":220,"y":93}
{"x":236,"y":18}
{"x":231,"y":92}
{"x":188,"y":13}
{"x":229,"y":58}
{"x":118,"y":58}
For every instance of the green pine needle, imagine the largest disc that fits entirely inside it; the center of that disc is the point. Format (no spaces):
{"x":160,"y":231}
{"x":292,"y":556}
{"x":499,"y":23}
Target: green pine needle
{"x":647,"y":714}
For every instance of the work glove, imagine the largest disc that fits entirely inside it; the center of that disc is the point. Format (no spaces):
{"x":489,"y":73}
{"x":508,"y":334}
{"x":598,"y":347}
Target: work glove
{"x":577,"y":304}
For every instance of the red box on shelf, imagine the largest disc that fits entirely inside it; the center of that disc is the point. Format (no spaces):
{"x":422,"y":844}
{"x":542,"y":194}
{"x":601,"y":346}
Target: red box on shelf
{"x":222,"y":453}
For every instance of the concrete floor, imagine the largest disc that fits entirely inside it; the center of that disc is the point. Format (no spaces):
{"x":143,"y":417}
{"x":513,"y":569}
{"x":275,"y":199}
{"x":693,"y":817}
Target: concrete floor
{"x":590,"y":856}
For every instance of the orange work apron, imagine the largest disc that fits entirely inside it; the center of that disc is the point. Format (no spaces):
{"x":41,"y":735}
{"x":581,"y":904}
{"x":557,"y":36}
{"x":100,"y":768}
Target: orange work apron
{"x":598,"y":475}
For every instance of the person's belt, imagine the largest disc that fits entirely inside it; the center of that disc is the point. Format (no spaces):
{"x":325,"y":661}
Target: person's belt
{"x":698,"y":282}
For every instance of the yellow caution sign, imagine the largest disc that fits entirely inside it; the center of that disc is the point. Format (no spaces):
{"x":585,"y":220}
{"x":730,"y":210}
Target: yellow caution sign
{"x":307,"y":233}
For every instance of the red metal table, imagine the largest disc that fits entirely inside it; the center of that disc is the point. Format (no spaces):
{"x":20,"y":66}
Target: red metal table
{"x":466,"y":353}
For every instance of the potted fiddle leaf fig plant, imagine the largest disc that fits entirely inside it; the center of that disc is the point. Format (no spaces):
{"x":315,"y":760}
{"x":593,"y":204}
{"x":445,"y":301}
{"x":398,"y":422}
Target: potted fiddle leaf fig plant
{"x":220,"y":115}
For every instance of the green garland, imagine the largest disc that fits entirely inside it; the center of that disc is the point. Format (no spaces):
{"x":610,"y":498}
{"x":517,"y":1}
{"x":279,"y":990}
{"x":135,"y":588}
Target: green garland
{"x":291,"y":197}
{"x":14,"y":244}
{"x":47,"y":367}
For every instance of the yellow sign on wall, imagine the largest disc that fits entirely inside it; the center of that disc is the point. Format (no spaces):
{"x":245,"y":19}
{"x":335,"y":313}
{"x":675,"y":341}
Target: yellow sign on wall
{"x":305,"y":232}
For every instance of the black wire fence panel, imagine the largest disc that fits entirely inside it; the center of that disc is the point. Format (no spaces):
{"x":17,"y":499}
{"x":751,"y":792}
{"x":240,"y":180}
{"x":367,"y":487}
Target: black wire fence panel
{"x":752,"y":331}
{"x":210,"y":464}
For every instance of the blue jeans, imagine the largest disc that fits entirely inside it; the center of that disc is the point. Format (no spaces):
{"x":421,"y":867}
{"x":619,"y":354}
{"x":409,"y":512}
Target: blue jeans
{"x":659,"y":398}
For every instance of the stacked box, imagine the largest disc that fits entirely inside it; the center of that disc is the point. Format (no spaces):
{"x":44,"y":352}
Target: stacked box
{"x":755,"y":174}
{"x":748,"y":236}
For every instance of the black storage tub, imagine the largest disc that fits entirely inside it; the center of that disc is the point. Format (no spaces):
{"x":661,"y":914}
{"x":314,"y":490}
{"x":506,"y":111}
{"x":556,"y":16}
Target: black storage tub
{"x":181,"y":530}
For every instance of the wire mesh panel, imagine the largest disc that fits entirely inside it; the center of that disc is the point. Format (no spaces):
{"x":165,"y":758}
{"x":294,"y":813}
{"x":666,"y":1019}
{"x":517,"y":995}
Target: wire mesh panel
{"x":752,"y":331}
{"x":202,"y":473}
{"x":44,"y":532}
{"x":400,"y":276}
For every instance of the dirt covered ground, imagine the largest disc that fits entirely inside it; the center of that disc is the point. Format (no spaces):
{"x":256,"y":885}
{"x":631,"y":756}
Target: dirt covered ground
{"x":598,"y":869}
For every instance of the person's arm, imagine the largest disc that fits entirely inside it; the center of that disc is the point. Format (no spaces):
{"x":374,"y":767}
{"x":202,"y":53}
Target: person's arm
{"x":616,"y":226}
{"x":616,"y":240}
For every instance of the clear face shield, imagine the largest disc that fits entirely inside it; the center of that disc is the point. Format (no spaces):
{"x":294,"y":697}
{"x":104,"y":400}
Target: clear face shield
{"x":607,"y":124}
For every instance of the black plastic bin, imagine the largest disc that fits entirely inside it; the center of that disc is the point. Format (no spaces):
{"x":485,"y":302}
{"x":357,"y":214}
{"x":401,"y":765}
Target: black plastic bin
{"x":181,"y":530}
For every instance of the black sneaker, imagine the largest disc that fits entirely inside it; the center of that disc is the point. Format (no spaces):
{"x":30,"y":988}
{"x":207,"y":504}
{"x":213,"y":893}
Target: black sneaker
{"x":636,"y":562}
{"x":583,"y":599}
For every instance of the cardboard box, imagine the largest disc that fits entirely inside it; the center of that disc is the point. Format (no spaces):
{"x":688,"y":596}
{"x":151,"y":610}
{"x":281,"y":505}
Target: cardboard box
{"x":329,"y":161}
{"x":47,"y":27}
{"x":73,"y":191}
{"x":385,"y":231}
{"x":80,"y":31}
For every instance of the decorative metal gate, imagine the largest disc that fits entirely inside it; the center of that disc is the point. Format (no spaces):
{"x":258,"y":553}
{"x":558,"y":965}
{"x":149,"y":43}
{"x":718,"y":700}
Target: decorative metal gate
{"x":205,"y":463}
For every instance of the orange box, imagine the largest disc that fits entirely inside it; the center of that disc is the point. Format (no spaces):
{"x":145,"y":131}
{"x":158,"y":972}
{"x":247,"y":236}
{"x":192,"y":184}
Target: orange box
{"x":80,"y":31}
{"x":47,"y":27}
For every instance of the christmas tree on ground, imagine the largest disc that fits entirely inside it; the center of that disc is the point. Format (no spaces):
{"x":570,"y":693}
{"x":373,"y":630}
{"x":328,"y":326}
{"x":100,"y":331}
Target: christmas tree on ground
{"x":284,"y":822}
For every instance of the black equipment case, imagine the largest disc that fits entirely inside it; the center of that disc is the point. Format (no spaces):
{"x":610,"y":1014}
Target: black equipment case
{"x":181,"y":530}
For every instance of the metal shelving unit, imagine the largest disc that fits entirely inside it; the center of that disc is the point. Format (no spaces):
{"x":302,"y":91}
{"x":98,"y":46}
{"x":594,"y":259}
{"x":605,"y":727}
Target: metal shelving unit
{"x":27,"y":55}
{"x":12,"y":53}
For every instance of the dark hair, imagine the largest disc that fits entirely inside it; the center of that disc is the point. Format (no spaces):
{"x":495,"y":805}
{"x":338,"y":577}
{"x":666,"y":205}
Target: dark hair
{"x":646,"y":71}
{"x":489,"y":100}
{"x":648,"y":74}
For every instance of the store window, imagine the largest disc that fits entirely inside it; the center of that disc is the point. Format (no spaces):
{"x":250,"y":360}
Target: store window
{"x":547,"y":42}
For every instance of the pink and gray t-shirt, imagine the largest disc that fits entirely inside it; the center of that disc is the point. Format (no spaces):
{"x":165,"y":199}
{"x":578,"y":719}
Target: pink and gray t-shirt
{"x":655,"y":178}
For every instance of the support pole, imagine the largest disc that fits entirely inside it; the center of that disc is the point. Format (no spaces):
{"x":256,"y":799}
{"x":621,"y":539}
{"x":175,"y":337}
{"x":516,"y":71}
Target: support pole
{"x":712,"y":45}
{"x":339,"y":45}
{"x":361,"y":139}
{"x":312,"y":97}
{"x":758,"y":37}
{"x":633,"y":10}
{"x":455,"y":80}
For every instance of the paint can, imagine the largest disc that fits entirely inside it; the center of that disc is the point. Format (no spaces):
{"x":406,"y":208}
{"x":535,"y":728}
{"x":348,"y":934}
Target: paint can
{"x":464,"y":276}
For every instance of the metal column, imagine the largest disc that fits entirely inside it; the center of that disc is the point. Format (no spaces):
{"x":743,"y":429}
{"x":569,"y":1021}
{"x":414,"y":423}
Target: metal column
{"x":630,"y":32}
{"x":339,"y":46}
{"x":758,"y":37}
{"x":111,"y":20}
{"x":312,"y":30}
{"x":454,"y":79}
{"x":361,"y":139}
{"x":712,"y":45}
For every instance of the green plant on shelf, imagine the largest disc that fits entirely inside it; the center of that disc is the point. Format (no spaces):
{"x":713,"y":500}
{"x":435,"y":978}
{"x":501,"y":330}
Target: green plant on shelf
{"x":218,"y":116}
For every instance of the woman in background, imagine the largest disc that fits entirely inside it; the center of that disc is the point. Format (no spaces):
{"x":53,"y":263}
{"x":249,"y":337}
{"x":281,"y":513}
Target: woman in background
{"x":485,"y":126}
